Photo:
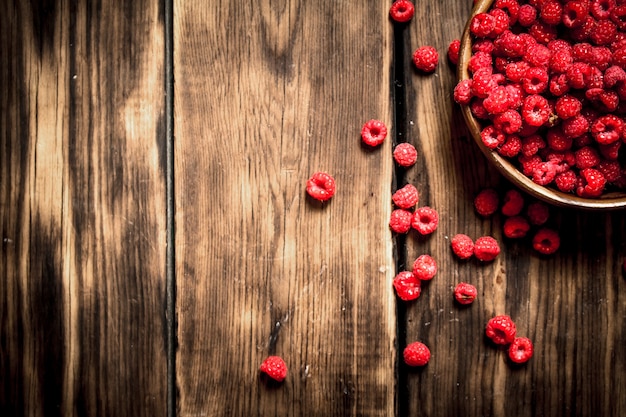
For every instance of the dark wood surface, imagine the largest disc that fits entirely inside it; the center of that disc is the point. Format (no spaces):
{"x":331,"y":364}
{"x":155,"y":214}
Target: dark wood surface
{"x":266,"y":93}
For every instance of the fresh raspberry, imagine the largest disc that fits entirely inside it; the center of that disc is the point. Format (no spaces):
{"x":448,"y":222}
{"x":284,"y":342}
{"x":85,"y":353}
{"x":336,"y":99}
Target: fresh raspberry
{"x":486,"y":202}
{"x":491,"y":137}
{"x":550,"y":12}
{"x":603,"y":32}
{"x":416,"y":354}
{"x":527,"y":15}
{"x":611,"y":151}
{"x":535,"y":80}
{"x":566,"y":181}
{"x":529,"y":163}
{"x":543,"y":32}
{"x":619,"y":57}
{"x":321,"y":186}
{"x":601,"y":9}
{"x":511,"y":146}
{"x":538,"y":55}
{"x":465,"y":293}
{"x":405,"y":154}
{"x":509,"y":6}
{"x":508,"y":122}
{"x":521,"y":350}
{"x":400,"y":221}
{"x":583,"y":140}
{"x":482,"y":24}
{"x":575,"y":13}
{"x":586,"y":157}
{"x":274,"y":367}
{"x":607,"y":129}
{"x":501,"y":20}
{"x":373,"y":132}
{"x":537,"y":213}
{"x":501,"y":330}
{"x":509,"y":45}
{"x":479,"y":60}
{"x":462,"y":246}
{"x":618,"y":16}
{"x":406,"y":197}
{"x":559,"y":45}
{"x":426,"y":58}
{"x":515,"y":227}
{"x":512,"y":203}
{"x":544,"y":173}
{"x":425,"y":220}
{"x":483,"y":45}
{"x":559,"y":85}
{"x":583,"y":52}
{"x":477,"y":108}
{"x":498,"y":101}
{"x":424,"y":267}
{"x":562,"y":160}
{"x":602,"y":57}
{"x":453,"y":51}
{"x":463,"y":92}
{"x":532,"y":144}
{"x":582,"y":32}
{"x":546,"y":241}
{"x":483,"y":82}
{"x":575,"y":126}
{"x":578,"y":74}
{"x":611,"y":170}
{"x":535,"y":110}
{"x":516,"y":71}
{"x":560,"y":61}
{"x":590,"y":183}
{"x":486,"y":248}
{"x":407,"y":286}
{"x":614,"y":75}
{"x":402,"y":11}
{"x":557,"y":141}
{"x":568,"y":106}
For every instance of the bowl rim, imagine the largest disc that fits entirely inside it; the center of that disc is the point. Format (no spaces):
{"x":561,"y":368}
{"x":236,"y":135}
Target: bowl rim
{"x":610,"y":201}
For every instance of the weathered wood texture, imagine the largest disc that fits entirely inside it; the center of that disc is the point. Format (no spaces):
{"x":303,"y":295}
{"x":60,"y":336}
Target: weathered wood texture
{"x":82,"y":209}
{"x":266,"y":94}
{"x":570,"y":304}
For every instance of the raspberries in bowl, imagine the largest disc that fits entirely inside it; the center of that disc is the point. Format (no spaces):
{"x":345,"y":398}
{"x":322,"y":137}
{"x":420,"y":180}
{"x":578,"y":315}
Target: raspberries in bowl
{"x":542,"y":87}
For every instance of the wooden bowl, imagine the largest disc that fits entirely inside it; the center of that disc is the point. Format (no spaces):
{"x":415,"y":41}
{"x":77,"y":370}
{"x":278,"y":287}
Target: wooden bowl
{"x":609,"y":201}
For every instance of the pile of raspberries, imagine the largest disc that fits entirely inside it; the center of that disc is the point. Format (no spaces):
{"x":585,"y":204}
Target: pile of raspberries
{"x":548,"y":84}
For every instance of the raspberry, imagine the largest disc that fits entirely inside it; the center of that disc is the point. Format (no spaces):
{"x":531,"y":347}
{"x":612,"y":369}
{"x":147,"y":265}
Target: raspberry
{"x":532,"y":144}
{"x":497,"y":101}
{"x":603,"y":32}
{"x":512,"y":203}
{"x":543,"y":32}
{"x":426,"y":58}
{"x":515,"y":227}
{"x":601,"y":9}
{"x":321,"y":186}
{"x":508,"y":122}
{"x":516,"y":71}
{"x":402,"y":11}
{"x":577,"y":74}
{"x":479,"y":60}
{"x":618,"y":16}
{"x":465,"y":293}
{"x":501,"y":330}
{"x":482,"y":24}
{"x":462,"y":246}
{"x":544,"y":173}
{"x":538,"y":55}
{"x":590,"y":183}
{"x":535,"y":110}
{"x":483,"y":82}
{"x":486,"y":202}
{"x":559,"y":85}
{"x":477,"y":108}
{"x":535,"y":80}
{"x":407,"y":286}
{"x":611,"y":151}
{"x":509,"y":45}
{"x":611,"y":170}
{"x":425,"y":220}
{"x":453,"y":51}
{"x":511,"y":7}
{"x":502,"y":22}
{"x":416,"y":354}
{"x":406,"y":197}
{"x":274,"y":367}
{"x":521,"y":350}
{"x":424,"y":267}
{"x":400,"y":221}
{"x":566,"y":181}
{"x":557,"y":140}
{"x":575,"y":126}
{"x":614,"y":75}
{"x":568,"y":106}
{"x":463,"y":92}
{"x":550,"y":12}
{"x":602,"y":57}
{"x":373,"y":132}
{"x":560,"y":61}
{"x":607,"y":129}
{"x":574,"y":13}
{"x":527,"y":15}
{"x":405,"y":154}
{"x":511,"y":146}
{"x":582,"y":32}
{"x":482,"y":45}
{"x":529,"y":163}
{"x":537,"y":213}
{"x":486,"y":248}
{"x":546,"y":241}
{"x":586,"y":157}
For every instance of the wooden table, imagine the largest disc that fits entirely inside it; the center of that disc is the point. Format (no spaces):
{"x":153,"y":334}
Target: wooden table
{"x":157,"y":242}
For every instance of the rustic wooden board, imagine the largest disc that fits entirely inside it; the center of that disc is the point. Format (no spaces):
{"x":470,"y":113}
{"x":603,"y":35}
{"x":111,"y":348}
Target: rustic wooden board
{"x":82,"y":209}
{"x":266,"y":94}
{"x":571,"y":304}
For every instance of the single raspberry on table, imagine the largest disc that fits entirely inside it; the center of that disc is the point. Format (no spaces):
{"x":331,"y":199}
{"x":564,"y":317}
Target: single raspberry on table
{"x":425,"y":220}
{"x":462,"y":246}
{"x":501,"y":330}
{"x":406,"y":197}
{"x":407,"y":286}
{"x":402,"y":11}
{"x":512,"y":203}
{"x":374,"y":132}
{"x":274,"y":367}
{"x":516,"y":227}
{"x":416,"y":354}
{"x":424,"y":267}
{"x":521,"y":350}
{"x":400,"y":221}
{"x":486,"y":248}
{"x":546,"y":241}
{"x":426,"y":58}
{"x":465,"y":293}
{"x":453,"y":51}
{"x":486,"y":202}
{"x":537,"y":213}
{"x":405,"y":154}
{"x":321,"y":186}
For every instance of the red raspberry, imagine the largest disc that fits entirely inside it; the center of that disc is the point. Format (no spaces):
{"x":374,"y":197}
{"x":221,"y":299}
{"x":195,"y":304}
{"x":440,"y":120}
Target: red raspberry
{"x":407,"y":286}
{"x":465,"y":293}
{"x":515,"y":227}
{"x":511,"y":146}
{"x":538,"y":55}
{"x":486,"y":248}
{"x":491,"y":137}
{"x":618,"y":16}
{"x":400,"y":221}
{"x":274,"y":367}
{"x":559,"y":45}
{"x":546,"y":241}
{"x":516,"y":71}
{"x":453,"y":51}
{"x":463,"y":92}
{"x":483,"y":82}
{"x":501,"y":330}
{"x":602,"y":57}
{"x":607,"y":129}
{"x":601,"y":9}
{"x":486,"y":202}
{"x":509,"y":6}
{"x":477,"y":108}
{"x":402,"y":11}
{"x":479,"y":60}
{"x":603,"y":33}
{"x":529,"y":163}
{"x":611,"y":170}
{"x":590,"y":183}
{"x":532,"y":144}
{"x":577,"y":74}
{"x":568,"y":106}
{"x":482,"y":45}
{"x":405,"y":154}
{"x":321,"y":186}
{"x":425,"y":220}
{"x":509,"y":45}
{"x":512,"y":203}
{"x":502,"y":22}
{"x":560,"y":61}
{"x":619,"y":57}
{"x":424,"y":267}
{"x":535,"y":80}
{"x":566,"y":181}
{"x":582,"y":32}
{"x":543,"y":32}
{"x":416,"y":354}
{"x":559,"y":85}
{"x":557,"y":140}
{"x":586,"y":157}
{"x":575,"y":13}
{"x":614,"y":75}
{"x":482,"y":24}
{"x":498,"y":101}
{"x":521,"y":350}
{"x":538,"y":213}
{"x":575,"y":126}
{"x":535,"y":110}
{"x":562,"y":160}
{"x":527,"y":15}
{"x":508,"y":122}
{"x":373,"y":132}
{"x":611,"y":151}
{"x":544,"y":173}
{"x":406,"y":197}
{"x":462,"y":246}
{"x":550,"y":12}
{"x":426,"y":58}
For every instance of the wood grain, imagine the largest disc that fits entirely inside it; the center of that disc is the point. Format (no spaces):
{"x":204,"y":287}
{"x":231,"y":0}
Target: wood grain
{"x":82,"y":209}
{"x":266,"y":94}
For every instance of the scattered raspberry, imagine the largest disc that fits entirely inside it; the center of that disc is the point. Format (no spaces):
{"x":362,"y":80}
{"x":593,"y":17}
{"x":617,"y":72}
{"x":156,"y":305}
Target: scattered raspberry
{"x":425,"y":220}
{"x":374,"y":132}
{"x":546,"y":241}
{"x":453,"y":51}
{"x":402,"y":11}
{"x":462,"y":246}
{"x":416,"y":354}
{"x":486,"y":248}
{"x":465,"y":293}
{"x":407,"y":286}
{"x":424,"y":267}
{"x":426,"y":58}
{"x":274,"y":367}
{"x":406,"y":197}
{"x":515,"y":227}
{"x":405,"y":154}
{"x":486,"y":202}
{"x":501,"y":330}
{"x":321,"y":186}
{"x":513,"y":203}
{"x":521,"y":350}
{"x":463,"y":92}
{"x":400,"y":221}
{"x":537,"y":213}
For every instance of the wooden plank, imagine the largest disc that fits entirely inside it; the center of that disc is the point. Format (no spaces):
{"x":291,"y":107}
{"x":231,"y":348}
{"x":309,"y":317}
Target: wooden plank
{"x":82,"y":209}
{"x":570,"y":304}
{"x":266,"y":94}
